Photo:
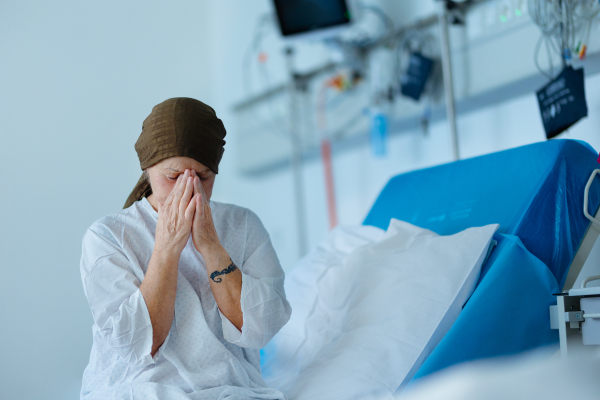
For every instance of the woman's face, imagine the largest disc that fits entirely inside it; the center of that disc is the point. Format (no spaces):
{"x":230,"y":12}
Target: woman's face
{"x":163,"y":176}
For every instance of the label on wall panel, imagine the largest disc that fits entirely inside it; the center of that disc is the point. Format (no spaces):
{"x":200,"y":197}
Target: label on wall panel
{"x":562,"y":101}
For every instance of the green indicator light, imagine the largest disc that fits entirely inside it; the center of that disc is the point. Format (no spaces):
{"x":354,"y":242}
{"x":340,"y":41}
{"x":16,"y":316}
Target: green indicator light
{"x":348,"y":15}
{"x":518,"y":12}
{"x":503,"y":18}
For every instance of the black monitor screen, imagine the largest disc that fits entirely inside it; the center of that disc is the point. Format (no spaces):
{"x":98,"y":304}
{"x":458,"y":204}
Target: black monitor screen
{"x":298,"y":16}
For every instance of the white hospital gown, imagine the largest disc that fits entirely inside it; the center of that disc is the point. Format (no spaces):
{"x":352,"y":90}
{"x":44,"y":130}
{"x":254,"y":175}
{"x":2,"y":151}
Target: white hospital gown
{"x":204,"y":356}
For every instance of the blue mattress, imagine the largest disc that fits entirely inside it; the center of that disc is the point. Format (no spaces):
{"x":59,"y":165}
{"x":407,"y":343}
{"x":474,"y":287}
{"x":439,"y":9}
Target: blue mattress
{"x":535,"y":193}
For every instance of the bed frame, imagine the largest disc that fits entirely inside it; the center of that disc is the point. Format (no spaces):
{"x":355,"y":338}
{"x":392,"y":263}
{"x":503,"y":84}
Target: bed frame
{"x":568,"y":309}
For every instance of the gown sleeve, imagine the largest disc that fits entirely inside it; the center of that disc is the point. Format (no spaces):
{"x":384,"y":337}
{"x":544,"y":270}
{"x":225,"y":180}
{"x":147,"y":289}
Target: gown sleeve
{"x":264,"y":306}
{"x":117,"y":305}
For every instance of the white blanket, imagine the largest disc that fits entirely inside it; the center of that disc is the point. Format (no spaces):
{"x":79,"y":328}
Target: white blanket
{"x":369,"y":306}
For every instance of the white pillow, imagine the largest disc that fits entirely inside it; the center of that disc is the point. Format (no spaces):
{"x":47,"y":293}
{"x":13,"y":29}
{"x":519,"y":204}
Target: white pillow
{"x":380,"y":307}
{"x":297,"y":343}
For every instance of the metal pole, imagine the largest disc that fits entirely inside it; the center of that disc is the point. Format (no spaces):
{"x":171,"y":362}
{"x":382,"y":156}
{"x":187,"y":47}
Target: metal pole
{"x":563,"y":33}
{"x":296,"y":156}
{"x":448,"y":79}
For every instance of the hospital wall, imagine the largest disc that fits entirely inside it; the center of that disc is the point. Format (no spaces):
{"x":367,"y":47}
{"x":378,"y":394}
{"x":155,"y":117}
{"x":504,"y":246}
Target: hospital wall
{"x":77,"y":78}
{"x":76,"y":81}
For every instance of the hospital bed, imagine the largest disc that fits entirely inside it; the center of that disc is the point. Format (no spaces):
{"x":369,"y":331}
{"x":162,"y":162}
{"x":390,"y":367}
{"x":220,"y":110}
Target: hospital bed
{"x":536,"y":194}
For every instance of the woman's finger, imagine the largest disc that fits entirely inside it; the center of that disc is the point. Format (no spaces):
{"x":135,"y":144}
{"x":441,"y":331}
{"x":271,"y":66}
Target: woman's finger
{"x":196,"y":185}
{"x":169,"y":198}
{"x":171,"y":195}
{"x":199,"y":208}
{"x":198,"y":188}
{"x":187,"y":195}
{"x":190,"y":211}
{"x":180,"y":188}
{"x":203,"y":193}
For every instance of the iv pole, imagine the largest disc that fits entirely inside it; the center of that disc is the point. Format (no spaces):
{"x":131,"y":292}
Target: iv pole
{"x":448,"y":78}
{"x":296,"y":159}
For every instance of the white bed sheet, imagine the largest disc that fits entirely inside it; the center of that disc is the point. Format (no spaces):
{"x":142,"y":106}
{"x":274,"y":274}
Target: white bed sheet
{"x":369,"y":306}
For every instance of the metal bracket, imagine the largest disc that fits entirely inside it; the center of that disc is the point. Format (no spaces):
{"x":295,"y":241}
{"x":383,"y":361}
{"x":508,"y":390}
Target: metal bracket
{"x":565,"y":315}
{"x":574,"y":318}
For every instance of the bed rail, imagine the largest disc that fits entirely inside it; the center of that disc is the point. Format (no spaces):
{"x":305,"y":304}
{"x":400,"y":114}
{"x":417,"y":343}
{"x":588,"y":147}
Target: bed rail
{"x":589,"y":239}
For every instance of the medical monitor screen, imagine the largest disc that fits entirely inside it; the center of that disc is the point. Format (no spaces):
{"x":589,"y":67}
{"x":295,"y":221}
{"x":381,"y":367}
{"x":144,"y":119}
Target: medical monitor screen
{"x":300,"y":16}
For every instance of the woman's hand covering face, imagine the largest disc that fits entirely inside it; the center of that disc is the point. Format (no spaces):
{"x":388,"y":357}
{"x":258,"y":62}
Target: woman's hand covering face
{"x":176,"y":215}
{"x":204,"y":234}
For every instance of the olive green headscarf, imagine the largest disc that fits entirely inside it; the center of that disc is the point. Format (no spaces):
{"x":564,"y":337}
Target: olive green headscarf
{"x":178,"y":127}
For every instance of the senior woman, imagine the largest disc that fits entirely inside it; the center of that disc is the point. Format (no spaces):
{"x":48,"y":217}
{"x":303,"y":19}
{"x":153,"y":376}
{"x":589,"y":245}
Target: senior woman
{"x":184,"y":291}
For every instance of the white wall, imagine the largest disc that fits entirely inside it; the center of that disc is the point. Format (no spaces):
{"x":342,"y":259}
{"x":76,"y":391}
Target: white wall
{"x":76,"y":81}
{"x":77,"y":78}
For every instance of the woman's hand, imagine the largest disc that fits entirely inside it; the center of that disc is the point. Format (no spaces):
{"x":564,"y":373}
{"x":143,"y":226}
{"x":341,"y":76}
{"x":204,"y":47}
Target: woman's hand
{"x":176,"y":216}
{"x":224,"y":276}
{"x":159,"y":287}
{"x":204,"y":234}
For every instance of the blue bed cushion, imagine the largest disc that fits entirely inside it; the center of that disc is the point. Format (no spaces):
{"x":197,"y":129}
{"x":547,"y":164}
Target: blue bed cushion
{"x":534,"y":192}
{"x":507,"y":314}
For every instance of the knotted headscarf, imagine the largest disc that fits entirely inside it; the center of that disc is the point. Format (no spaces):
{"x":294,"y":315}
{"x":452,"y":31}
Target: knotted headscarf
{"x":178,"y":127}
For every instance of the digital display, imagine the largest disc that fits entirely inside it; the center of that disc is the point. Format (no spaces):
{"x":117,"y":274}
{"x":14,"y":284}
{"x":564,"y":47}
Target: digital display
{"x":299,"y":16}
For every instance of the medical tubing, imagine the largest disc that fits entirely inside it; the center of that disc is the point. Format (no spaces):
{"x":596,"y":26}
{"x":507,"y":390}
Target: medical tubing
{"x":329,"y":182}
{"x":326,"y":153}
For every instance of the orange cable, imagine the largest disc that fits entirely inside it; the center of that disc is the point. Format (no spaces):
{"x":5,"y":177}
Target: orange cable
{"x":326,"y":154}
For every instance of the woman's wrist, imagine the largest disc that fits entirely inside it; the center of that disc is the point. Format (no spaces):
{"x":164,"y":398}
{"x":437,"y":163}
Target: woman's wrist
{"x":205,"y":247}
{"x":166,"y":255}
{"x":214,"y":255}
